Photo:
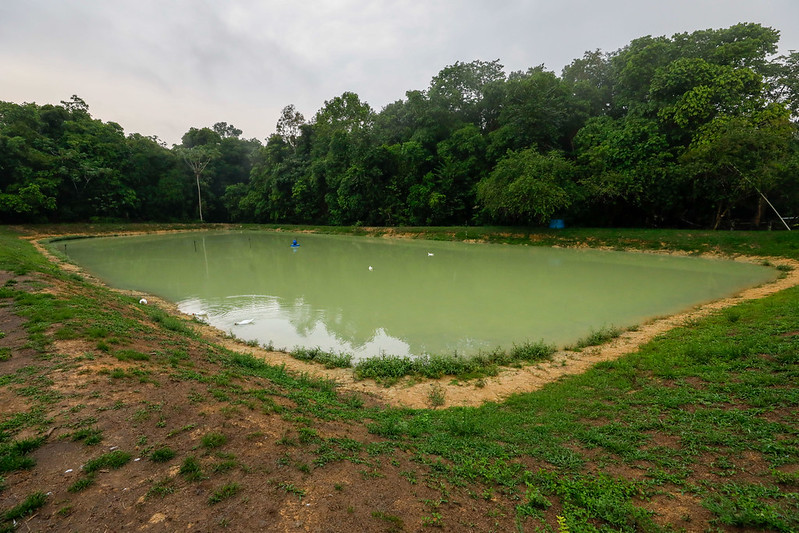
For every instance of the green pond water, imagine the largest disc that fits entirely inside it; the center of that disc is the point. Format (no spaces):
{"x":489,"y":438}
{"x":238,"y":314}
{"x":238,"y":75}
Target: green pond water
{"x":367,"y":296}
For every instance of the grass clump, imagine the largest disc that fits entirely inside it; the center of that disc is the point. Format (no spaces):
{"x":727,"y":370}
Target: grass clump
{"x":224,"y":492}
{"x":14,"y":455}
{"x":81,"y":484}
{"x":190,"y":469}
{"x":596,"y":337}
{"x":115,"y":459}
{"x":162,"y":455}
{"x":213,"y":440}
{"x":28,"y":506}
{"x":89,"y":436}
{"x":392,"y":367}
{"x":131,"y":355}
{"x":329,"y":359}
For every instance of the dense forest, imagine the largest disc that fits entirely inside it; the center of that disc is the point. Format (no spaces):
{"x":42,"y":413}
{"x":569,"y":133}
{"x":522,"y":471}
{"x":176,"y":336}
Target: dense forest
{"x":698,"y":130}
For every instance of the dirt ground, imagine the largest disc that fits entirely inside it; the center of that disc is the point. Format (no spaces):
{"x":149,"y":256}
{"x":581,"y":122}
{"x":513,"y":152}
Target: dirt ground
{"x":280,"y":489}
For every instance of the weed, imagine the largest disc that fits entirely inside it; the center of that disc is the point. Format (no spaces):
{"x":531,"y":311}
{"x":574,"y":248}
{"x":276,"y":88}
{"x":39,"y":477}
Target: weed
{"x":436,"y":395}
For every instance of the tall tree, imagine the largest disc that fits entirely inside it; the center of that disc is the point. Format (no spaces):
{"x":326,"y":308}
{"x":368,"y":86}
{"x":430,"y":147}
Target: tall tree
{"x":197,"y":159}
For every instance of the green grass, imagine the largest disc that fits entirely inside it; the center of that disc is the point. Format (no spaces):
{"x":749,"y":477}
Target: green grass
{"x":115,"y":459}
{"x":224,"y":492}
{"x":676,"y":416}
{"x":162,"y":455}
{"x":392,"y":367}
{"x":596,"y":337}
{"x":213,"y":440}
{"x":191,"y":470}
{"x":28,"y":506}
{"x":317,"y":355}
{"x":14,"y":455}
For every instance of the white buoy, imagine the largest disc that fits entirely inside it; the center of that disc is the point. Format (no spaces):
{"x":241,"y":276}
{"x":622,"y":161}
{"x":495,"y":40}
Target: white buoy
{"x":143,"y":301}
{"x":244,"y":322}
{"x":370,"y":268}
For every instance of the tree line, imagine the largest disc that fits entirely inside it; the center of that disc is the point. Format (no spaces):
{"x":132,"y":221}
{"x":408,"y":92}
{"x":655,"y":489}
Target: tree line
{"x":698,"y":129}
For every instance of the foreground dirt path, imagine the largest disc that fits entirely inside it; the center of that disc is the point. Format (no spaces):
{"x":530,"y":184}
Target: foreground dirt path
{"x":416,"y":393}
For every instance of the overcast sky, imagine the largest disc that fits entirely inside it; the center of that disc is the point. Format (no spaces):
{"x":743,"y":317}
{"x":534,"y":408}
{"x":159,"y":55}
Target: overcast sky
{"x":159,"y":67}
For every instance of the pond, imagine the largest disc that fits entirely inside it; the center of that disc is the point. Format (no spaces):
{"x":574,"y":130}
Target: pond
{"x":367,"y":296}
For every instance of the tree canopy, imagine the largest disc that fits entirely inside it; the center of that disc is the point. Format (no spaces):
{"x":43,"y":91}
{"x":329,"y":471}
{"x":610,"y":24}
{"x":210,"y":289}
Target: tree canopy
{"x":696,"y":129}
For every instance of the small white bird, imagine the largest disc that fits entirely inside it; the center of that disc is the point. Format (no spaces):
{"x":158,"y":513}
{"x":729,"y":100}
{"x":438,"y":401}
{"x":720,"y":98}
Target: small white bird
{"x":244,"y":322}
{"x":370,"y":268}
{"x":430,"y":254}
{"x":143,"y":301}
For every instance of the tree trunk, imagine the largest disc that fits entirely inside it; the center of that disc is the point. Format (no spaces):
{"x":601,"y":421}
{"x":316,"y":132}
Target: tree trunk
{"x":199,"y":196}
{"x":759,"y":212}
{"x":720,"y":214}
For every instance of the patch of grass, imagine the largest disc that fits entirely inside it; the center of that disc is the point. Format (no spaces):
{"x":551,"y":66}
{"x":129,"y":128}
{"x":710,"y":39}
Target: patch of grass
{"x":131,"y":355}
{"x":162,"y":455}
{"x":162,"y":489}
{"x":81,"y":483}
{"x":28,"y":506}
{"x":213,"y":440}
{"x":596,"y":337}
{"x":291,"y":489}
{"x":190,"y":469}
{"x":14,"y":455}
{"x":395,"y":522}
{"x":115,"y":459}
{"x":317,"y":355}
{"x":169,"y":322}
{"x":89,"y":436}
{"x":187,"y":427}
{"x":392,"y":367}
{"x":224,"y":492}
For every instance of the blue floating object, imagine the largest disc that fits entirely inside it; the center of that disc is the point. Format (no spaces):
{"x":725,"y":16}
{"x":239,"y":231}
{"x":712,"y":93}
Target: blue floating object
{"x":556,"y":223}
